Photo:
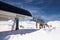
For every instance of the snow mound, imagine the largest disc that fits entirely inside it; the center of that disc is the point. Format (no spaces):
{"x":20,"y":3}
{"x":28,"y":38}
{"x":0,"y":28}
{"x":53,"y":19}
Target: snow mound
{"x":54,"y":23}
{"x":38,"y":35}
{"x":42,"y":34}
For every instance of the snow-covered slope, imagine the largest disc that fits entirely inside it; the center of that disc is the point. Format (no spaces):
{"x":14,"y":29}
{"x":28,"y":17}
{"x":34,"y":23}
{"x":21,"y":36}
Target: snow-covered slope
{"x":6,"y":25}
{"x":54,"y":23}
{"x":37,"y":35}
{"x":27,"y":25}
{"x":42,"y":34}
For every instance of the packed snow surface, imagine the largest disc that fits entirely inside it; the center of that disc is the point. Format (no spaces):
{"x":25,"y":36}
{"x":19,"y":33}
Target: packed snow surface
{"x":42,"y":34}
{"x":54,"y":23}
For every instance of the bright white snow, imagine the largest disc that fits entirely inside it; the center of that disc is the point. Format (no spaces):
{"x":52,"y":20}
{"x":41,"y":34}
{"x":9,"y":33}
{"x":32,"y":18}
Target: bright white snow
{"x":28,"y":24}
{"x":42,"y":34}
{"x":6,"y":25}
{"x":38,"y":35}
{"x":54,"y":23}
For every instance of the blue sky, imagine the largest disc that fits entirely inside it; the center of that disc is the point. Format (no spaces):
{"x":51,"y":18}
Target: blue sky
{"x":48,"y":10}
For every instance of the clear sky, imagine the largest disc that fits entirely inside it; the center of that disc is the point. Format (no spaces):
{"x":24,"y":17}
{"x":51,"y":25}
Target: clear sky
{"x":46,"y":9}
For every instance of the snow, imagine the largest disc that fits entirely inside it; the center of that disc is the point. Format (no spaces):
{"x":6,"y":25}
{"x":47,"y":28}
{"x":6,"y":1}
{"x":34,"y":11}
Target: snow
{"x":37,"y":35}
{"x":28,"y":24}
{"x":54,"y":23}
{"x":42,"y":34}
{"x":5,"y":25}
